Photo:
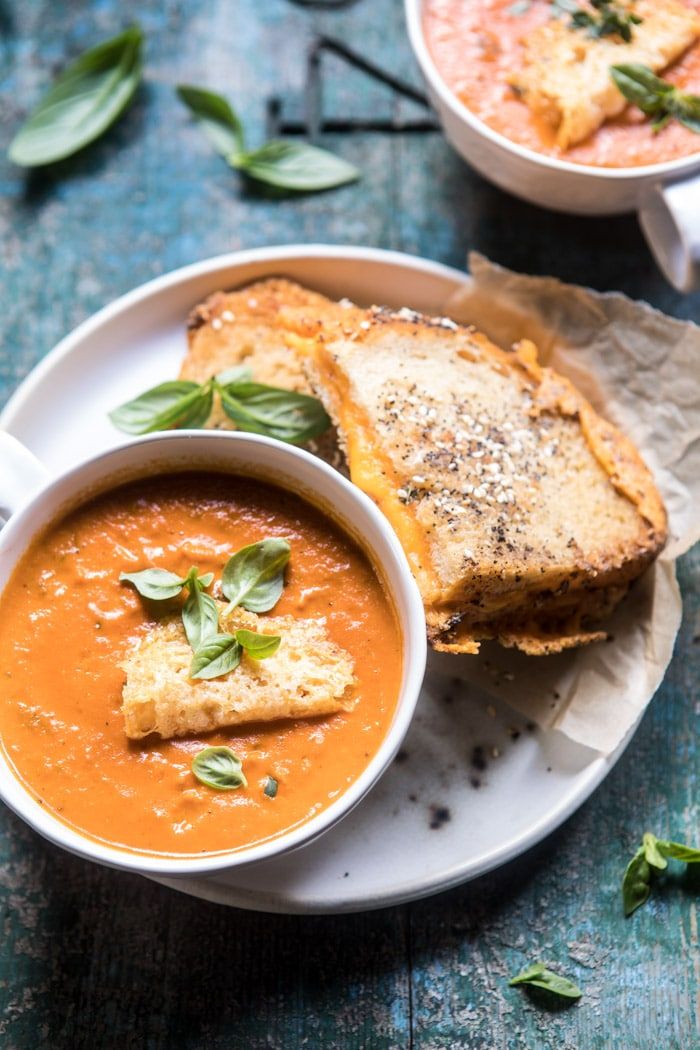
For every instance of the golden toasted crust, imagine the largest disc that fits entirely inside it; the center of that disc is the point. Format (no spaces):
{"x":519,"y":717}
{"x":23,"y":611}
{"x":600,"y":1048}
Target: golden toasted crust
{"x":309,"y":675}
{"x":513,"y":499}
{"x":247,"y":327}
{"x":565,"y":77}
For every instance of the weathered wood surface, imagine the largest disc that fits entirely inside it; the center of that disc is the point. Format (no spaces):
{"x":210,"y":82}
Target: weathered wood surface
{"x":91,"y":958}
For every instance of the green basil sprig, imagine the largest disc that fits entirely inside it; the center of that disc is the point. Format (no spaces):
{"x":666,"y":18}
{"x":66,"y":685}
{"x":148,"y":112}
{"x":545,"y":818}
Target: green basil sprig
{"x":254,"y":576}
{"x":253,"y":407}
{"x":84,"y":101}
{"x":219,"y":768}
{"x":651,"y":857}
{"x":296,"y":166}
{"x":221,"y":653}
{"x":656,"y":97}
{"x":159,"y":584}
{"x":200,"y":613}
{"x":539,"y":976}
{"x":608,"y":18}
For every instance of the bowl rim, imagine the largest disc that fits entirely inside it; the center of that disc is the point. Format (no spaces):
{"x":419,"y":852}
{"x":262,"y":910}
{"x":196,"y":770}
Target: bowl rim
{"x":409,"y":611}
{"x":413,"y":10}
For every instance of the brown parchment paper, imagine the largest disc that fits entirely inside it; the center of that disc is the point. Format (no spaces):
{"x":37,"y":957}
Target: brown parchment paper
{"x":641,"y":370}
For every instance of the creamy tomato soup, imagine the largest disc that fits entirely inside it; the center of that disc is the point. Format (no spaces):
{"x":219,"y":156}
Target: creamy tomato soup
{"x":66,"y":622}
{"x":475,"y":44}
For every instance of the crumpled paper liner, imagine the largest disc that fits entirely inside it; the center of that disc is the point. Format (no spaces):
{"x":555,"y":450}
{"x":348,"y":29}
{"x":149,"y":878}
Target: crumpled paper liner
{"x":641,"y":370}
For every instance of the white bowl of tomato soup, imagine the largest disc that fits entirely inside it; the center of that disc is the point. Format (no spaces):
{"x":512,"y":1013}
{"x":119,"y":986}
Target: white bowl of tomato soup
{"x":466,"y":48}
{"x":173,"y":500}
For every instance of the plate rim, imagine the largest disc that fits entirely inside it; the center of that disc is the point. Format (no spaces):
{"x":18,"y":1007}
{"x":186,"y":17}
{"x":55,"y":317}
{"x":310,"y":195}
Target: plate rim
{"x":209,"y":887}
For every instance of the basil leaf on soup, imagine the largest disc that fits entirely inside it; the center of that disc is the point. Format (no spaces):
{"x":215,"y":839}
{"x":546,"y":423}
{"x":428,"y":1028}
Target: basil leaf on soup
{"x":636,"y":882}
{"x":84,"y":101}
{"x":176,"y":403}
{"x":216,"y":656}
{"x":295,"y":166}
{"x":219,"y":768}
{"x":254,"y":576}
{"x":200,"y":613}
{"x":539,"y":976}
{"x":258,"y":646}
{"x":281,"y":414}
{"x":270,"y":788}
{"x":640,"y":85}
{"x":157,"y":584}
{"x":215,"y":117}
{"x":235,"y":374}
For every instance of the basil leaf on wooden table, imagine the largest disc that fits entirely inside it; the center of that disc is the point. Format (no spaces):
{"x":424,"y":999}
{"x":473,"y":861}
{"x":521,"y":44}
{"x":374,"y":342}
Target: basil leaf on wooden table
{"x":156,"y":584}
{"x":200,"y":613}
{"x":651,"y":856}
{"x":296,"y":166}
{"x":84,"y":101}
{"x":539,"y":976}
{"x":219,"y":768}
{"x":216,"y":119}
{"x":656,"y":97}
{"x":636,"y":882}
{"x":178,"y":403}
{"x":254,"y":576}
{"x":218,"y":654}
{"x":258,"y":646}
{"x":268,"y":410}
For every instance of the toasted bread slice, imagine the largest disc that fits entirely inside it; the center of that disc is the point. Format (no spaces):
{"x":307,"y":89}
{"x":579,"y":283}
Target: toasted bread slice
{"x":309,"y":675}
{"x":517,"y":505}
{"x":565,"y":77}
{"x":247,"y":327}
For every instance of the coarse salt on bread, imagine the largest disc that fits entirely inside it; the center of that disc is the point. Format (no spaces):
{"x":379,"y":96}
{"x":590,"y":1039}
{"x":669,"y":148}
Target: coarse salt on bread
{"x":521,"y":511}
{"x":565,"y":75}
{"x":309,"y":675}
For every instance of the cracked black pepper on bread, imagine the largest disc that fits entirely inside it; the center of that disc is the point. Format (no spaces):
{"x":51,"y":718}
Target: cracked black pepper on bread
{"x":524,"y":515}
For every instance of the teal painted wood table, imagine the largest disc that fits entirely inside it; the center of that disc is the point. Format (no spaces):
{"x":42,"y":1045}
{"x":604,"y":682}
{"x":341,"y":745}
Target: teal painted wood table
{"x":93,"y":958}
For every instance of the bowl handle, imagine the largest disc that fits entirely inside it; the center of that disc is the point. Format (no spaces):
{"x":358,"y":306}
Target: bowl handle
{"x":21,"y":474}
{"x":669,"y":215}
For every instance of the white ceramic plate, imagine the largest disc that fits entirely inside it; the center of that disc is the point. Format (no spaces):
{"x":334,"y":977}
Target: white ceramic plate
{"x":435,"y":820}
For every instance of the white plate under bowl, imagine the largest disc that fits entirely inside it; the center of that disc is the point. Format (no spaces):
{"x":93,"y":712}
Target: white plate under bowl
{"x":438,"y":817}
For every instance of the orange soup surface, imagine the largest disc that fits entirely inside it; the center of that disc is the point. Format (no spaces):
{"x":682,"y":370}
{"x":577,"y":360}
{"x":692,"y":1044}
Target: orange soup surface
{"x":66,"y":622}
{"x":476,"y":44}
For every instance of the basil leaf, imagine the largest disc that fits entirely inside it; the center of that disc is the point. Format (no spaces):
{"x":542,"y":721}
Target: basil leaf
{"x":651,"y":847}
{"x":200,"y":613}
{"x":177,"y":403}
{"x":157,"y":584}
{"x":686,"y":109}
{"x":295,"y":166}
{"x":281,"y":414}
{"x":636,"y":883}
{"x":216,"y":119}
{"x":642,"y":87}
{"x":235,"y":374}
{"x":219,"y":654}
{"x":84,"y":101}
{"x":679,"y":851}
{"x":219,"y":768}
{"x":258,"y":646}
{"x":540,"y":977}
{"x":254,"y":576}
{"x":271,"y":786}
